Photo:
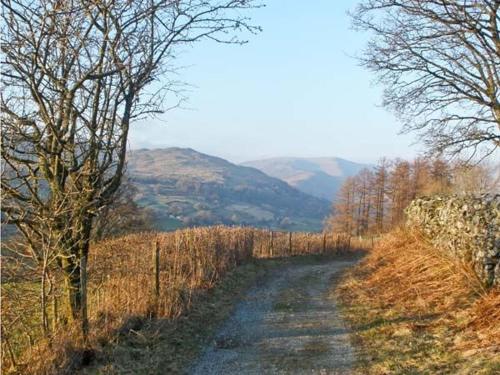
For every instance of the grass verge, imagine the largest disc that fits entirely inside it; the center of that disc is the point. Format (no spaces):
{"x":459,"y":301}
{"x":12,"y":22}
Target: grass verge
{"x":162,"y":346}
{"x":413,"y":311}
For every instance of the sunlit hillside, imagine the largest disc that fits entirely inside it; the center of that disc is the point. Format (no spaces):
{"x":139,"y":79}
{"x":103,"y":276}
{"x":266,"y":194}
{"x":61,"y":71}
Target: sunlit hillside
{"x":187,"y":188}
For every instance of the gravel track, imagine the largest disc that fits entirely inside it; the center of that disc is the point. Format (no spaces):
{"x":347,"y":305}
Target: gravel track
{"x":289,"y":324}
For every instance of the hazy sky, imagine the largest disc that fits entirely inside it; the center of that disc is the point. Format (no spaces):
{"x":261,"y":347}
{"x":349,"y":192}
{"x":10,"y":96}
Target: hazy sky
{"x":293,"y":90}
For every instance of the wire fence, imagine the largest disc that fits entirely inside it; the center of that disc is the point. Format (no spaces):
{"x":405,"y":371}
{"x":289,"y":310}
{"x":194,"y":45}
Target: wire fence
{"x":140,"y":275}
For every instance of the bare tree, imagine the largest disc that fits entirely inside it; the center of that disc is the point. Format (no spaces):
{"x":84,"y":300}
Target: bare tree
{"x":123,"y":215}
{"x":76,"y":73}
{"x":364,"y":192}
{"x":342,"y":219}
{"x":439,"y":61}
{"x":441,"y":177}
{"x":399,"y":190}
{"x":380,"y":177}
{"x":374,"y":201}
{"x":420,"y":177}
{"x":476,"y":179}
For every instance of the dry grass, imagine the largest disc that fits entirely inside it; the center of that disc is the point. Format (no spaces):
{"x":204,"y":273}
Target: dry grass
{"x":161,"y":345}
{"x":415,"y":311}
{"x":122,"y":294}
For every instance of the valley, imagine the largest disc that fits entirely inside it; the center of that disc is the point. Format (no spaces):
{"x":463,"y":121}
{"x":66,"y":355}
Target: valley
{"x":187,"y":188}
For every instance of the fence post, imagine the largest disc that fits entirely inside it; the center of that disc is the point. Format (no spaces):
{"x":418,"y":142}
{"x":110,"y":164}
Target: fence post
{"x":324,"y":242}
{"x":290,"y":243}
{"x":156,"y":267}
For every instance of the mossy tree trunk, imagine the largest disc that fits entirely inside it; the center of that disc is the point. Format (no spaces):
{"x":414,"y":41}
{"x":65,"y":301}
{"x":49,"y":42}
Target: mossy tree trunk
{"x":74,"y":268}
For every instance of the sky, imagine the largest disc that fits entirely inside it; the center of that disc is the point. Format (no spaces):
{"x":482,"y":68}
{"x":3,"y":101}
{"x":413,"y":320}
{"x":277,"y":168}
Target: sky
{"x":295,"y":89}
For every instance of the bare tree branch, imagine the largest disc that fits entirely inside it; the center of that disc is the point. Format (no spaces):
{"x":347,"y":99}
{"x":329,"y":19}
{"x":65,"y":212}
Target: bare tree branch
{"x":75,"y":75}
{"x":439,"y":61}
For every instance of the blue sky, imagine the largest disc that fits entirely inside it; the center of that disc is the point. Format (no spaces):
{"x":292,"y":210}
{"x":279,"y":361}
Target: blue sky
{"x":293,"y":90}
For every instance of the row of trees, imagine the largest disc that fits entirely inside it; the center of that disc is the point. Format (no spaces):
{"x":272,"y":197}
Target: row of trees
{"x":373,"y":201}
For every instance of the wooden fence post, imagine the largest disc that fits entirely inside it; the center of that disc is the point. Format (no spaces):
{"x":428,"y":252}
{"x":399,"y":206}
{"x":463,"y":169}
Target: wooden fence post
{"x":290,"y":243}
{"x":324,"y":242}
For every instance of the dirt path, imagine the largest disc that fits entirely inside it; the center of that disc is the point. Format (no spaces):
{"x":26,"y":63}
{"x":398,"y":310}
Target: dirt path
{"x":286,"y":325}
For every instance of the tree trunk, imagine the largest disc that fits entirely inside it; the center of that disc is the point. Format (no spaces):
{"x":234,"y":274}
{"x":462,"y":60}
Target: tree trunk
{"x":45,"y":323}
{"x":74,"y":269}
{"x":71,"y":270}
{"x":72,"y":284}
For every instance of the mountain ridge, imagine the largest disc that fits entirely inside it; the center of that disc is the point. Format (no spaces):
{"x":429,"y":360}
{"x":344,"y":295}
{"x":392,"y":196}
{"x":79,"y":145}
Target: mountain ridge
{"x":188,"y":188}
{"x":317,"y":176}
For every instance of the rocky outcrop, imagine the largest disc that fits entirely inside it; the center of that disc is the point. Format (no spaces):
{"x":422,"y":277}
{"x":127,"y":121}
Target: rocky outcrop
{"x":467,"y":227}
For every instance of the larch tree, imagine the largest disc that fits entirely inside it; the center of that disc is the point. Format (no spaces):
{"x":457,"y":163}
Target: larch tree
{"x":76,"y":74}
{"x":343,"y":218}
{"x":379,"y":186}
{"x":439,"y":61}
{"x":399,"y":190}
{"x":440,"y":173}
{"x":420,"y":177}
{"x":364,"y":201}
{"x":374,"y":201}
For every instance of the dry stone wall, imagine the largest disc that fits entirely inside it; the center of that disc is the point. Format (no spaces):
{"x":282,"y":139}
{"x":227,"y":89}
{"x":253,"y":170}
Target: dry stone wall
{"x":467,"y":227}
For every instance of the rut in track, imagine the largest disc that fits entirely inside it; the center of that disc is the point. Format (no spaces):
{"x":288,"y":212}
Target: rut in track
{"x":289,"y":324}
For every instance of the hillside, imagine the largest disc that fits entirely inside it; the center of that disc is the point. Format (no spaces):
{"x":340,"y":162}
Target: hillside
{"x":187,"y":188}
{"x":320,"y":177}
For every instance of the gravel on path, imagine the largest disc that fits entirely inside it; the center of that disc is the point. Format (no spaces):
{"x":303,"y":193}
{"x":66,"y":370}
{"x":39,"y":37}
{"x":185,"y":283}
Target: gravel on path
{"x":289,"y":324}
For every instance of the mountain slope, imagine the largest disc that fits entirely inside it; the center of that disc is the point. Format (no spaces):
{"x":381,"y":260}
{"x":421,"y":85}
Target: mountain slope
{"x":186,"y":187}
{"x":320,"y":177}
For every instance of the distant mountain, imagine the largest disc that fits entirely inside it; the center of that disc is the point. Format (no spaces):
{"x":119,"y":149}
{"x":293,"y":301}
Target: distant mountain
{"x":320,"y":177}
{"x":186,"y":188}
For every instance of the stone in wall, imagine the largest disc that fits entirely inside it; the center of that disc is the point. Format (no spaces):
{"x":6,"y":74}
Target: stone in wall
{"x":467,"y":227}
